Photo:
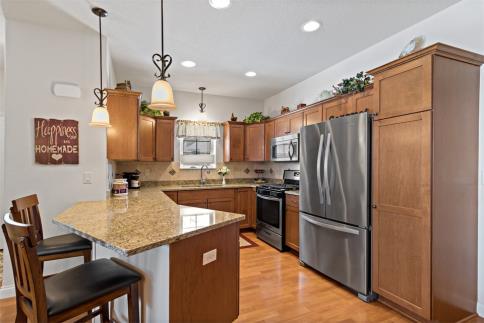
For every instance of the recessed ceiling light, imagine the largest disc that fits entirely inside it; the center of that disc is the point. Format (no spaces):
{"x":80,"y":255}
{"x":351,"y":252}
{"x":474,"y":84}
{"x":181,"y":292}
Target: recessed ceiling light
{"x":189,"y":64}
{"x":219,"y":4}
{"x":311,"y":26}
{"x":250,"y":74}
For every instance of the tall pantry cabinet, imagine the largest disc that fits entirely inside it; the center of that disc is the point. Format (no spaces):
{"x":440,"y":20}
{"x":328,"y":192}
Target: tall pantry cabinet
{"x":425,"y":159}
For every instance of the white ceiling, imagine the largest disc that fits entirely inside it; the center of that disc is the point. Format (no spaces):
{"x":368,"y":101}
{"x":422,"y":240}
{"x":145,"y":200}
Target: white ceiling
{"x":260,"y":35}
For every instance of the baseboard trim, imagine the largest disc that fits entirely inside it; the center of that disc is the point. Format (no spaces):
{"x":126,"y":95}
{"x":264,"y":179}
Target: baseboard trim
{"x":480,"y":309}
{"x":7,"y":292}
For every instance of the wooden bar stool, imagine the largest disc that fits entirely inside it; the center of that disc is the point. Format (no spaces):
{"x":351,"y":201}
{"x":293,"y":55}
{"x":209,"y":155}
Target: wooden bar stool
{"x":26,"y":210}
{"x":70,"y":293}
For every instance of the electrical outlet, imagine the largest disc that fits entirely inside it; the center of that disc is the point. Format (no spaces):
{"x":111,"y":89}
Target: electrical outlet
{"x":209,"y":256}
{"x":87,"y":178}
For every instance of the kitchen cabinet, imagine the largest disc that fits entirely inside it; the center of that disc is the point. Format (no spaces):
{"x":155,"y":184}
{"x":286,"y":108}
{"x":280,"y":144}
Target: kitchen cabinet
{"x":364,"y":101}
{"x":214,"y":199}
{"x":424,"y":208}
{"x":404,"y":89}
{"x":313,"y":115}
{"x":288,"y":124}
{"x":173,"y":195}
{"x":146,"y":138}
{"x":254,"y":142}
{"x":246,"y":205}
{"x":292,"y":222}
{"x":268,"y":135}
{"x":338,"y":107}
{"x":122,"y":136}
{"x":165,"y":138}
{"x":234,"y":139}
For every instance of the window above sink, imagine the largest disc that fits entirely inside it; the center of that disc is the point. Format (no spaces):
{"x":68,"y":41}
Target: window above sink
{"x":198,"y":151}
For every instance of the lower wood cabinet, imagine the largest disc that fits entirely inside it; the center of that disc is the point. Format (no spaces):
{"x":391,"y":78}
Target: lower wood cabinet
{"x":292,"y":222}
{"x":245,"y":201}
{"x":215,"y":199}
{"x":173,"y":195}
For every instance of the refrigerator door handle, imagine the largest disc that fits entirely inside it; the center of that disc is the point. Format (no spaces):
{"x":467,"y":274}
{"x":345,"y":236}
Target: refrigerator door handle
{"x":326,"y":161}
{"x":318,"y":170}
{"x":330,"y":226}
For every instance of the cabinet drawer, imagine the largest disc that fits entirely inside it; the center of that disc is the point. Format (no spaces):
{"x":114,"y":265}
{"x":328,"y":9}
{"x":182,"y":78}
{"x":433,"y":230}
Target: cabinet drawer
{"x":404,"y":89}
{"x":191,"y":196}
{"x":292,"y":201}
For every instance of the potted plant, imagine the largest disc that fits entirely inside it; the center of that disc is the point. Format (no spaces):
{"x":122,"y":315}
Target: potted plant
{"x":222,"y":171}
{"x":255,"y":117}
{"x":353,"y":84}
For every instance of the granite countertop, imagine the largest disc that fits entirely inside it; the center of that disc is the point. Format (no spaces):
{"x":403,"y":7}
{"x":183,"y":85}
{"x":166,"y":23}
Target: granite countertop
{"x":144,"y":220}
{"x":293,"y":193}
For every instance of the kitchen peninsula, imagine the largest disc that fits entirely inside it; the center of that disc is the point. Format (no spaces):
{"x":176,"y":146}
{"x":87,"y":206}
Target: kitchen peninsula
{"x":189,"y":257}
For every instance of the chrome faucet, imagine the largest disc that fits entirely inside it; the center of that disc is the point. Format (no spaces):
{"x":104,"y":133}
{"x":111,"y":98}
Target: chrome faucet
{"x":203,"y":181}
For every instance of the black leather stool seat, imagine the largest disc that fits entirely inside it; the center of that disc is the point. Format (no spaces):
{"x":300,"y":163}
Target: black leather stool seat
{"x":86,"y":282}
{"x":62,"y":244}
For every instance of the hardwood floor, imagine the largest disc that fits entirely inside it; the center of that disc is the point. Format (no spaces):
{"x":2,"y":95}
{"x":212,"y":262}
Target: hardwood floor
{"x":275,"y":288}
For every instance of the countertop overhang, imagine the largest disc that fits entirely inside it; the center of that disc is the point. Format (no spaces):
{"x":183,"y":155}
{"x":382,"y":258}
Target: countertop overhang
{"x":143,"y":220}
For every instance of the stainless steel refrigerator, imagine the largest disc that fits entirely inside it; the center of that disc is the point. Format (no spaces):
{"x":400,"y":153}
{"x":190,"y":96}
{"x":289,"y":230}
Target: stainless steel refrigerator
{"x":334,"y":222}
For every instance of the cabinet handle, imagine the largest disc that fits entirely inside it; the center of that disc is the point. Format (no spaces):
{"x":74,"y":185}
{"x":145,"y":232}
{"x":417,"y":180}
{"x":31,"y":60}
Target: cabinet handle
{"x":373,"y":206}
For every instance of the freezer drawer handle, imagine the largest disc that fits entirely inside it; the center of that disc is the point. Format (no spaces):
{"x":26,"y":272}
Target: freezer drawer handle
{"x":326,"y":180}
{"x":331,"y":226}
{"x":318,"y":170}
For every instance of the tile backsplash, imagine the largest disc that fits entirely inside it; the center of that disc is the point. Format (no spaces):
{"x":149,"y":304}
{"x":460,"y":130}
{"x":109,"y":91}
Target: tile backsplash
{"x":170,"y":171}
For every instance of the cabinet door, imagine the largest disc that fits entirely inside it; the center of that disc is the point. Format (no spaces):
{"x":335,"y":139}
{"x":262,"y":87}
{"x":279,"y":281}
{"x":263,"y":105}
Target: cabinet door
{"x":338,"y":107}
{"x":313,"y":115}
{"x":165,"y":140}
{"x":220,"y":204}
{"x":243,"y":205}
{"x":401,"y":211}
{"x":254,"y":142}
{"x":295,"y":122}
{"x":252,"y":207}
{"x":268,"y":134}
{"x":233,"y":142}
{"x":146,"y":137}
{"x":292,"y":222}
{"x":122,"y":136}
{"x":173,"y":195}
{"x":404,"y":89}
{"x":364,"y":101}
{"x":281,"y":126}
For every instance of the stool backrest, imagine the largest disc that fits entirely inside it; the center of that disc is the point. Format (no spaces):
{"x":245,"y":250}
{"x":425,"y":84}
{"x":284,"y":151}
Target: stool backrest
{"x":26,"y":210}
{"x":29,"y":282}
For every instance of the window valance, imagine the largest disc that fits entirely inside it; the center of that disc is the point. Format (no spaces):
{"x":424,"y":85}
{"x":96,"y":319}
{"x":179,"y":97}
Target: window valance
{"x":189,"y":128}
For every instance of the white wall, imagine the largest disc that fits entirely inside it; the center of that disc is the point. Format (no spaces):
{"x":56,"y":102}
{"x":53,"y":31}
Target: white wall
{"x":37,"y":56}
{"x":461,"y":25}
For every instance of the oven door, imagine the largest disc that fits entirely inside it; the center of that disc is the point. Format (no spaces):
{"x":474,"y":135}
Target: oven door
{"x":269,"y":213}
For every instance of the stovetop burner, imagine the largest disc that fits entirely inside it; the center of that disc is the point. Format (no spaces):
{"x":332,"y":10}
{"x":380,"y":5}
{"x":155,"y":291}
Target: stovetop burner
{"x":285,"y":187}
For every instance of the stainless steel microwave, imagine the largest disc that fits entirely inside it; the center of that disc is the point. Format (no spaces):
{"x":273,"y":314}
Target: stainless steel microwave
{"x":285,"y":148}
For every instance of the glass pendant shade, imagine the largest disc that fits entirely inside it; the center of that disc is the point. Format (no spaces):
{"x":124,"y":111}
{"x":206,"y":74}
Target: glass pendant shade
{"x":100,"y":117}
{"x":162,"y":96}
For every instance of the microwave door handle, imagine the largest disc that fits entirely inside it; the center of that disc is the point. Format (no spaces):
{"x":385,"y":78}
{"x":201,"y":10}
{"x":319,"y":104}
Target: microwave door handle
{"x":291,"y":150}
{"x":318,"y":169}
{"x":326,"y":161}
{"x":339,"y":228}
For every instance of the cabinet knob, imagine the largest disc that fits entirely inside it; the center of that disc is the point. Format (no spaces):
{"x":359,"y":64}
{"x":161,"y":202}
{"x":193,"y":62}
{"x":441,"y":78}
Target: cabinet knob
{"x":373,"y":206}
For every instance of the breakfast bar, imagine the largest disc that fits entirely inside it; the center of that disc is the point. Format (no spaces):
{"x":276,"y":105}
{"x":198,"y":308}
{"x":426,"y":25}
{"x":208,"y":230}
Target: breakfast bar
{"x":188,"y":256}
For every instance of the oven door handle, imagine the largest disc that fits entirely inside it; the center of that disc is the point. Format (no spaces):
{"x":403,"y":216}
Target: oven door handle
{"x":269,"y":198}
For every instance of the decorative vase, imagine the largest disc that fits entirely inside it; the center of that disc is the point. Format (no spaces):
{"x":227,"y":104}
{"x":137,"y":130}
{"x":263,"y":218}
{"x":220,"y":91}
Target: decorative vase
{"x":223,"y":180}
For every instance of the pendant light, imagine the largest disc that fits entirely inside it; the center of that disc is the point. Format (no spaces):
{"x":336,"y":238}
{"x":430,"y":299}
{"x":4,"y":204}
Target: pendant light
{"x":202,"y":105}
{"x":100,"y":115}
{"x":162,"y":93}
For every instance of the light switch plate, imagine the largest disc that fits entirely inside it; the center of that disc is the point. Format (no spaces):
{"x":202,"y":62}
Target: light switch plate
{"x":209,"y":256}
{"x":87,"y":178}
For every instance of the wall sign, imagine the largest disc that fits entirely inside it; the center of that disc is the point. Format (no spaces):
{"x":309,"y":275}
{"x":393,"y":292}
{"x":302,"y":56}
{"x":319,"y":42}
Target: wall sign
{"x":56,"y":141}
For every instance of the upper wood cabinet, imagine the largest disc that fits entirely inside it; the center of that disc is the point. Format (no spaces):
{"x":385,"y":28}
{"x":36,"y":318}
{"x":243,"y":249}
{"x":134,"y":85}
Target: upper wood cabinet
{"x":401,"y":219}
{"x":146,"y":138}
{"x":313,"y":115}
{"x":268,"y":134}
{"x":285,"y":125}
{"x":165,"y":138}
{"x":338,"y":107}
{"x":254,"y":142}
{"x":404,"y":89}
{"x":364,"y":101}
{"x":234,"y":139}
{"x":122,"y":136}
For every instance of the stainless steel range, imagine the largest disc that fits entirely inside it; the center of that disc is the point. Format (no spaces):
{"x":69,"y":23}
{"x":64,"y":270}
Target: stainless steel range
{"x":271,"y":200}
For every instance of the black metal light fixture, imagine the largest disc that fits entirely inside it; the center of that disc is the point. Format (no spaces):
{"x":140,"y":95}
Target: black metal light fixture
{"x":202,"y":105}
{"x":162,"y":93}
{"x":100,"y":115}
